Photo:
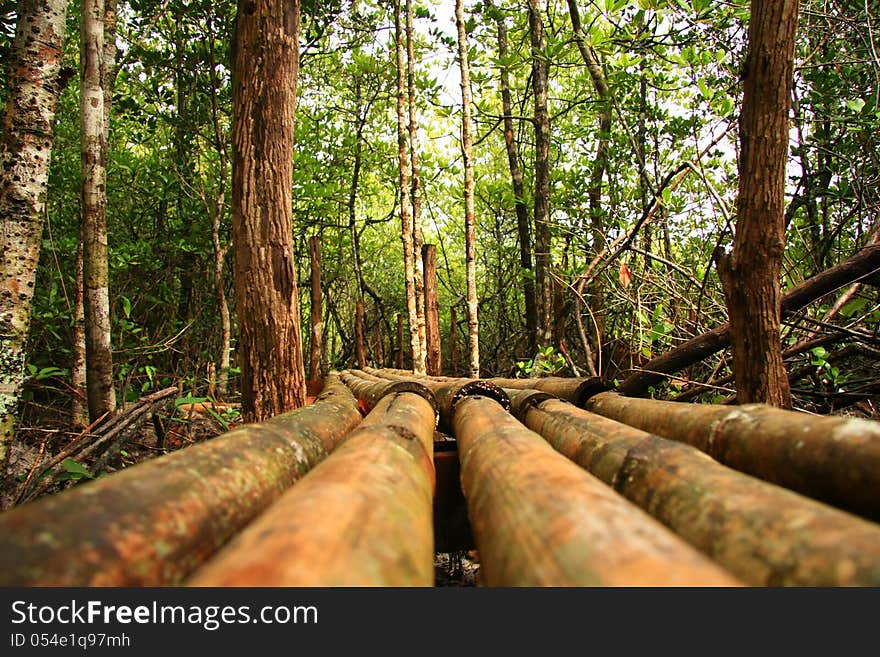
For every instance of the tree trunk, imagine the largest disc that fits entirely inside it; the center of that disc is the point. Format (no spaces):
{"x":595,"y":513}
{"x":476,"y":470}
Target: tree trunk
{"x":265,"y":72}
{"x":453,"y":342}
{"x":523,"y":227}
{"x":470,"y":238}
{"x":540,"y":72}
{"x":187,"y":264}
{"x":360,"y":119}
{"x":600,"y":164}
{"x":34,"y":83}
{"x":400,"y":350}
{"x":216,"y":218}
{"x":751,"y":276}
{"x":359,"y":334}
{"x":79,"y":406}
{"x":96,"y":293}
{"x":416,"y":185}
{"x":405,"y":217}
{"x":316,"y":314}
{"x":432,"y":311}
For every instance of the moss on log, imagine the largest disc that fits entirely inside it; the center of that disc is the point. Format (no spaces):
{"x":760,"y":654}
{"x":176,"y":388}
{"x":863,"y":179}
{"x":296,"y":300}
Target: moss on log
{"x":154,"y":523}
{"x":540,"y":520}
{"x":764,"y":534}
{"x":361,"y":518}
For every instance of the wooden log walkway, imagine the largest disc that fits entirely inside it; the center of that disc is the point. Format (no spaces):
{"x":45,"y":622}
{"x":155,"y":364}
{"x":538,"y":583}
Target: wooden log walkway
{"x":555,"y":482}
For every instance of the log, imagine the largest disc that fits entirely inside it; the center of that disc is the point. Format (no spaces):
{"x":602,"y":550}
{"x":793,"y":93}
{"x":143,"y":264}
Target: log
{"x":577,"y":390}
{"x":833,"y":459}
{"x":862,"y":266}
{"x":154,"y":523}
{"x":540,"y":520}
{"x":447,"y":390}
{"x":371,"y":392}
{"x":762,"y":533}
{"x":361,"y":518}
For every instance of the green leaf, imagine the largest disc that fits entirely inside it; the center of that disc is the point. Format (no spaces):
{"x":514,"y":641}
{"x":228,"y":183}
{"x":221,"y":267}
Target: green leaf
{"x":189,"y":400}
{"x":856,"y":105}
{"x":77,"y":469}
{"x":704,"y":89}
{"x":126,"y":305}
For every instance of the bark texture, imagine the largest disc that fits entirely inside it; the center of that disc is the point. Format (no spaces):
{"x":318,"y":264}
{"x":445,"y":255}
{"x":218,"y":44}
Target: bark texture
{"x":317,"y":340}
{"x":470,"y":230}
{"x":434,"y":359}
{"x":93,"y":208}
{"x":764,"y":534}
{"x":35,"y":81}
{"x":540,"y":75}
{"x":751,"y":276}
{"x":265,"y":71}
{"x":539,"y":520}
{"x":834,"y":459}
{"x":403,"y":162}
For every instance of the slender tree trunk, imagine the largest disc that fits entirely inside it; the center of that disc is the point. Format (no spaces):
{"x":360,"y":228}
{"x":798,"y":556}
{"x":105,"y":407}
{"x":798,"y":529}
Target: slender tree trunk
{"x":359,"y":334}
{"x":400,"y":349}
{"x":99,"y":359}
{"x":453,"y":342}
{"x":432,"y":311}
{"x":523,"y":221}
{"x":360,"y":120}
{"x":416,"y":185}
{"x":540,"y":74}
{"x":469,"y":220}
{"x":600,"y":165}
{"x":219,"y":249}
{"x":751,"y":276}
{"x":183,"y":147}
{"x":79,"y":407}
{"x":316,"y":314}
{"x":405,"y":216}
{"x":265,"y":72}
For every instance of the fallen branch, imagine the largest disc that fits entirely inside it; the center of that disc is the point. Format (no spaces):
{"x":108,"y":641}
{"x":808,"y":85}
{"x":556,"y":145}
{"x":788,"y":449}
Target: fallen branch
{"x":863,"y":266}
{"x":104,"y":437}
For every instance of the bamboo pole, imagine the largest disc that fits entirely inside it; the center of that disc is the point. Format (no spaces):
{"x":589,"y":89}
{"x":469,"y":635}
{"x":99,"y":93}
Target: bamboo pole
{"x":361,"y":518}
{"x":154,"y":523}
{"x":833,"y":459}
{"x":763,"y":534}
{"x":539,"y":520}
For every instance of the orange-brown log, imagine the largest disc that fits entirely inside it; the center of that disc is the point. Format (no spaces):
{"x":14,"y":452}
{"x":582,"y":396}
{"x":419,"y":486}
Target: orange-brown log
{"x":447,"y":390}
{"x":833,"y":459}
{"x":764,"y":534}
{"x":371,"y":392}
{"x":361,"y":518}
{"x":540,"y":520}
{"x":577,"y":390}
{"x":154,"y":523}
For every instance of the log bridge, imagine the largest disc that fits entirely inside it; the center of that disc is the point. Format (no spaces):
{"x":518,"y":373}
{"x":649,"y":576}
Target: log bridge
{"x":554,"y":481}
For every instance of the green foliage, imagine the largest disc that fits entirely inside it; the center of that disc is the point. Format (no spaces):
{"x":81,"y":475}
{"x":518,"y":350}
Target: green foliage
{"x":74,"y":471}
{"x":548,"y":362}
